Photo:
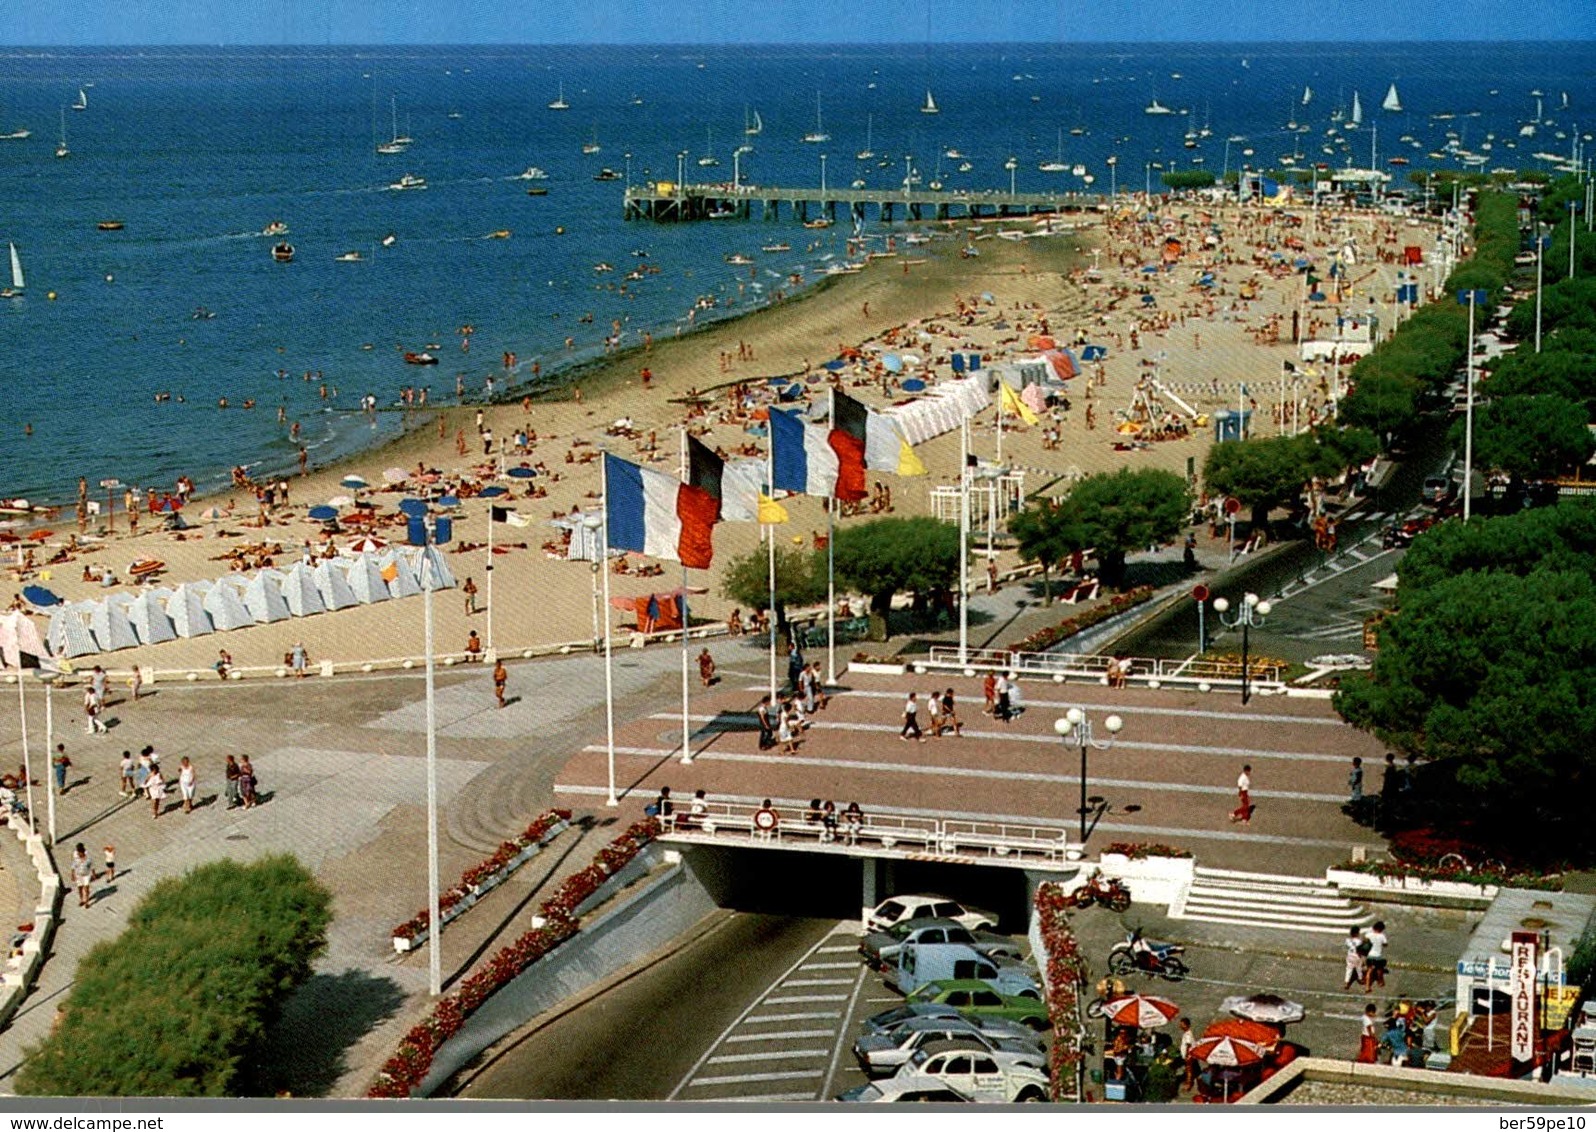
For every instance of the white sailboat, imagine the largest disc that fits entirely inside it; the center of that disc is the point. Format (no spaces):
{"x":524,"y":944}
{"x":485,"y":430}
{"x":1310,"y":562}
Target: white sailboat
{"x":1156,"y":107}
{"x":1057,"y":164}
{"x":83,"y":100}
{"x":819,"y":134}
{"x":15,"y":290}
{"x":395,"y":144}
{"x":754,"y":130}
{"x":1356,"y":117}
{"x":1392,"y":101}
{"x":61,"y":150}
{"x":709,"y":157}
{"x":1307,"y":95}
{"x":592,"y":146}
{"x":867,"y":153}
{"x":930,"y":106}
{"x":559,"y":103}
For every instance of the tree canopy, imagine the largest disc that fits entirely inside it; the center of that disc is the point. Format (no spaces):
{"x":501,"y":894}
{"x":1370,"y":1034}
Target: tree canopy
{"x":1127,"y":510}
{"x":885,"y":556}
{"x":1534,"y":437}
{"x":1267,"y":471}
{"x":800,"y":580}
{"x":177,"y":1004}
{"x":1043,"y":539}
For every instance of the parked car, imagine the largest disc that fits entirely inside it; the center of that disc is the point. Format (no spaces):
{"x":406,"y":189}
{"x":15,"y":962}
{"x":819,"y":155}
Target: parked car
{"x":985,"y":1076}
{"x":919,"y":964}
{"x":1437,"y":489}
{"x":892,"y":1019}
{"x":896,"y":909}
{"x":880,"y":949}
{"x":979,"y":999}
{"x":891,"y":1090}
{"x":881,"y":1055}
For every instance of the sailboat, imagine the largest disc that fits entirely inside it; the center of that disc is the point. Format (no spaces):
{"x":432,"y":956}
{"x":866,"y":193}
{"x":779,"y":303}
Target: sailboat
{"x":559,"y":103}
{"x":396,"y":144}
{"x":754,"y":130}
{"x":867,"y":153}
{"x":16,"y":135}
{"x":820,"y":134}
{"x":1307,"y":95}
{"x":1356,"y":117}
{"x":83,"y":100}
{"x":1392,"y":102}
{"x":591,"y":146}
{"x":15,"y":290}
{"x":62,"y":150}
{"x":930,"y":106}
{"x":709,"y":157}
{"x":1057,"y":164}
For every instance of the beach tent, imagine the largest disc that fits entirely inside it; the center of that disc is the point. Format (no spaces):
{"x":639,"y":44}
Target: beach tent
{"x":397,"y":573}
{"x":432,"y":571}
{"x":186,"y":608}
{"x":69,"y":634}
{"x":263,"y":597}
{"x":299,"y":590}
{"x":110,"y":626}
{"x":20,"y":646}
{"x":147,"y":613}
{"x":365,"y":579}
{"x":332,"y":585}
{"x":227,"y":608}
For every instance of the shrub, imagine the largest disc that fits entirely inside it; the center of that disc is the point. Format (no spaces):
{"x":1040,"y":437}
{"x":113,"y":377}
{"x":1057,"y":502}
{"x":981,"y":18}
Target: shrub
{"x":178,"y":1003}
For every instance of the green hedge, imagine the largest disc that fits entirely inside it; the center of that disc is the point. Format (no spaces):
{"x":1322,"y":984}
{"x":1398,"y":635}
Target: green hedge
{"x":178,"y":1003}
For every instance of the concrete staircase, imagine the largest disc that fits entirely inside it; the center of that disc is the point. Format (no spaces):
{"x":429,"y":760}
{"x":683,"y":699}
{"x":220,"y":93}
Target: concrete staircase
{"x":1265,"y":900}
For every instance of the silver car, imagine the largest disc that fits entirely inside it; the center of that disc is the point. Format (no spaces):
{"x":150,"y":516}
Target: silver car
{"x":880,"y":949}
{"x":882,"y":1054}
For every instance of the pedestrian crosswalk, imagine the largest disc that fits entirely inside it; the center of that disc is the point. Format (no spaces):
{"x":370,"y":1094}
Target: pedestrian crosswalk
{"x":786,"y":1045}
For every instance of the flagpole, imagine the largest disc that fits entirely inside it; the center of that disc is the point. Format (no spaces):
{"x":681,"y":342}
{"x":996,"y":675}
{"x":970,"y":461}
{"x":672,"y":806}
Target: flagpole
{"x":770,"y":550}
{"x":434,"y":911}
{"x":687,"y":750}
{"x":49,"y":746}
{"x":964,"y":537}
{"x":831,"y":571}
{"x":1002,"y":384}
{"x":27,"y":766}
{"x":609,"y":674}
{"x":491,"y":655}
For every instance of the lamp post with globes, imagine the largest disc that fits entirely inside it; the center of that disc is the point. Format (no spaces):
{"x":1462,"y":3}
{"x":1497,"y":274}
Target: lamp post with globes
{"x":1249,"y":615}
{"x":1075,"y":727}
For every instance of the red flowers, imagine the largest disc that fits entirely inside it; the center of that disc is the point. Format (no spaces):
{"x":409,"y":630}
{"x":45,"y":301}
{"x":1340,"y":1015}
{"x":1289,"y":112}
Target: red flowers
{"x":1066,"y":974}
{"x":411,"y":1062}
{"x":1141,"y":850}
{"x":1043,"y":639}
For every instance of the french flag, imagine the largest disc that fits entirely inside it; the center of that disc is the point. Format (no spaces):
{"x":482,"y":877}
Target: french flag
{"x":801,"y":456}
{"x":649,"y":512}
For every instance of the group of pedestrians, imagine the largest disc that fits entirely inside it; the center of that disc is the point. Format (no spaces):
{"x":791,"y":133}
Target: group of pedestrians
{"x":1366,"y":958}
{"x":783,"y":721}
{"x":1002,"y":694}
{"x":826,"y":816}
{"x":944,"y":716}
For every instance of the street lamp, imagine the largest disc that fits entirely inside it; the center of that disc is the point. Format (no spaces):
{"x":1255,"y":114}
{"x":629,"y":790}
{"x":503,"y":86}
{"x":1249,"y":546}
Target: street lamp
{"x":1251,"y":614}
{"x":628,"y":157}
{"x":1075,"y":727}
{"x":822,"y":179}
{"x":681,"y":164}
{"x":424,"y":532}
{"x":597,"y":522}
{"x":1113,"y":175}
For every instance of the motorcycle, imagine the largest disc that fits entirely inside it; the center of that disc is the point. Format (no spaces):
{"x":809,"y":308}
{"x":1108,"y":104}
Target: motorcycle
{"x":1098,"y":889}
{"x":1148,"y":957}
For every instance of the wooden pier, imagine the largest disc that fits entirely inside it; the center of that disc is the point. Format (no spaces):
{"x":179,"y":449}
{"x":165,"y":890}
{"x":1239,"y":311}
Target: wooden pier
{"x":667,"y":202}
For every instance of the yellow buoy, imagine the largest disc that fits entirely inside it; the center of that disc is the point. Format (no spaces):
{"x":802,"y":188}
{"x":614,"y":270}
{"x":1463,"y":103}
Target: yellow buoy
{"x":50,"y":295}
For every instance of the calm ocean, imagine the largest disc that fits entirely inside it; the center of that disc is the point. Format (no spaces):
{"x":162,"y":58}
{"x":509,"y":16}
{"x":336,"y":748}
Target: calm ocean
{"x":196,"y":150}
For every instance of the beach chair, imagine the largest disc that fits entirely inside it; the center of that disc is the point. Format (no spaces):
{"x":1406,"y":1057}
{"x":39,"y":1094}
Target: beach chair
{"x":975,"y":362}
{"x":957,"y":361}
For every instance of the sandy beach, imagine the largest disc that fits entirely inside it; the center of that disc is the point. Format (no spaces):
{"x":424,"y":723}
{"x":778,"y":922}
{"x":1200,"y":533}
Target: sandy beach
{"x":1201,"y":342}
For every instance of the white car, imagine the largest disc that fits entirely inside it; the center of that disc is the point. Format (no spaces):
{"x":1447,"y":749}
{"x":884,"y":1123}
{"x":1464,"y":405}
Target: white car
{"x":983,"y":1076}
{"x":896,"y":909}
{"x":911,"y":1090}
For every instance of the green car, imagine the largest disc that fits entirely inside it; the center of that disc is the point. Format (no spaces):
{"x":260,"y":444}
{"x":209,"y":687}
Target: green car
{"x":976,"y":997}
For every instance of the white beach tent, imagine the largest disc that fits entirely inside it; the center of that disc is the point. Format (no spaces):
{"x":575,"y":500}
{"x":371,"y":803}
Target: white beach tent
{"x":186,"y":608}
{"x":226,"y":607}
{"x":333,"y":586}
{"x":397,"y":573}
{"x":365,"y":579}
{"x":69,"y":634}
{"x":299,"y":590}
{"x":432,"y":571}
{"x":147,"y":613}
{"x":110,"y":626}
{"x":263,"y":597}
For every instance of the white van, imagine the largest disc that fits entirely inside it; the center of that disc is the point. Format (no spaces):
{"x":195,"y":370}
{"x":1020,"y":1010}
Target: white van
{"x":919,"y":964}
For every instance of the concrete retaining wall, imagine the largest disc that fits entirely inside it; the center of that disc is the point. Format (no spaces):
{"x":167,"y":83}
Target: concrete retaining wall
{"x":642,"y":921}
{"x":22,"y":968}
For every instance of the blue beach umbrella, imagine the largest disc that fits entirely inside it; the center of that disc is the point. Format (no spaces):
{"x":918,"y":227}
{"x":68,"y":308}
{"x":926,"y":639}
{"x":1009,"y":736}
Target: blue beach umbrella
{"x":835,"y":364}
{"x":354,"y":481}
{"x":493,"y":492}
{"x":913,"y":385}
{"x":522,"y":473}
{"x":415,"y":508}
{"x":1148,"y":300}
{"x":323,"y":512}
{"x":447,"y":501}
{"x":893,"y":363}
{"x":40,"y":596}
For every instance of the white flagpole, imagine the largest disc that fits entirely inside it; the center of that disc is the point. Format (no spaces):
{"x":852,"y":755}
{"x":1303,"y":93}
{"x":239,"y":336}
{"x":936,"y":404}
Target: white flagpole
{"x":27,"y":767}
{"x":831,"y":571}
{"x":49,"y":746}
{"x":687,"y":750}
{"x":434,"y":912}
{"x":1002,"y":385}
{"x":492,"y":656}
{"x":770,"y":549}
{"x":609,"y":673}
{"x":964,"y":537}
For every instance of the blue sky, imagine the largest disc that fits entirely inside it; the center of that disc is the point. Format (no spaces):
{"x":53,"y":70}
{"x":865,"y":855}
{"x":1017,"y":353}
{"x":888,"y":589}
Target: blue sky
{"x":109,"y":22}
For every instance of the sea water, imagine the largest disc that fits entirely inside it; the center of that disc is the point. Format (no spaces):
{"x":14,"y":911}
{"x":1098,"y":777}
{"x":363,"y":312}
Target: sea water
{"x":196,"y":150}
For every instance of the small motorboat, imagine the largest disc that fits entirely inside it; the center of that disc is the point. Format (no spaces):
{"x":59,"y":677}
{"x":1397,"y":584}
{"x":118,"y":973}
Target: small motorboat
{"x":350,"y":257}
{"x":606,"y":174}
{"x":532,"y":173}
{"x":408,"y":181}
{"x":283,"y":252}
{"x":501,"y":234}
{"x":420,"y":359}
{"x":389,"y":240}
{"x":538,"y":192}
{"x":781,"y":247}
{"x":738,"y":259}
{"x":110,"y":225}
{"x":275,"y":228}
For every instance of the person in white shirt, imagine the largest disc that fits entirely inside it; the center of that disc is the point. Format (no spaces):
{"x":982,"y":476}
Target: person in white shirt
{"x":911,"y":721}
{"x":1243,"y":811}
{"x":1374,"y":964}
{"x":1355,"y":954}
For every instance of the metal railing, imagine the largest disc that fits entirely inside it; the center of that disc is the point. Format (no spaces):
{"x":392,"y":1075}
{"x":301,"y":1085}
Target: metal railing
{"x":954,"y":840}
{"x":1188,"y":672}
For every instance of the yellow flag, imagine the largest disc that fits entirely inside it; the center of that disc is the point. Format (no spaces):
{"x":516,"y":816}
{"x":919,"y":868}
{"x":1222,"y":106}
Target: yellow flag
{"x":770,"y":511}
{"x":1010,"y":402}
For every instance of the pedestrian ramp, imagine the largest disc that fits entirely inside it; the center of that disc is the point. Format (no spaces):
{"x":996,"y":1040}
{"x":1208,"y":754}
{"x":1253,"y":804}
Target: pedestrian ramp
{"x":1267,"y":900}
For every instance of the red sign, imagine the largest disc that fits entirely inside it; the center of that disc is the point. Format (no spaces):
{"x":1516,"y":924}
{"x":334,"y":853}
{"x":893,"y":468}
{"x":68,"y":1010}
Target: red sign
{"x":1232,"y":505}
{"x":1521,"y":992}
{"x":1199,"y":593}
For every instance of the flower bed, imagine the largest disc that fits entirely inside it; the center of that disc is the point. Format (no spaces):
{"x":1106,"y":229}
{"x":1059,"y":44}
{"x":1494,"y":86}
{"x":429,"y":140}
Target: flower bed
{"x":1066,"y":974}
{"x":1141,"y":850}
{"x":482,"y":878}
{"x":1044,"y":639}
{"x":409,"y":1065}
{"x":1400,"y":873}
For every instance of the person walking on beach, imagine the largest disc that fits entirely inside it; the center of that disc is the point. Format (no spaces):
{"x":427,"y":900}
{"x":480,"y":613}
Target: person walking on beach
{"x":155,"y":787}
{"x":911,"y":721}
{"x":187,"y":782}
{"x":501,"y":677}
{"x":127,"y":789}
{"x":299,"y":659}
{"x":470,"y":591}
{"x":59,"y":763}
{"x":135,"y":682}
{"x":82,"y":874}
{"x":230,"y":774}
{"x":110,"y":862}
{"x":1243,"y":811}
